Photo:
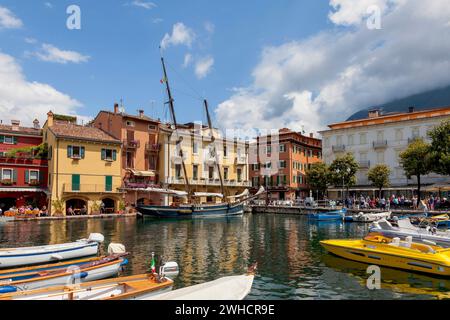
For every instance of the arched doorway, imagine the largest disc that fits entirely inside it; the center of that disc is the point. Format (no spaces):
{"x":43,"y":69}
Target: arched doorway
{"x":109,"y":205}
{"x":77,"y":206}
{"x":7,"y":203}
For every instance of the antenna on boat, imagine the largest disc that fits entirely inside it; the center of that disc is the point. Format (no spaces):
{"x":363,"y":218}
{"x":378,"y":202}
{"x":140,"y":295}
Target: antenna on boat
{"x":174,"y":120}
{"x":213,"y":139}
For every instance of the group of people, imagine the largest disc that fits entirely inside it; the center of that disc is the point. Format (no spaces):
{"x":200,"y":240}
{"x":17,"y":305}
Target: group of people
{"x":396,"y":201}
{"x":77,"y":212}
{"x":27,"y":209}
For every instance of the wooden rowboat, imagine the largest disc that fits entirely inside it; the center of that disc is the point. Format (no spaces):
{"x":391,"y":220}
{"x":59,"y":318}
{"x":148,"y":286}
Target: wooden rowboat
{"x":94,"y":270}
{"x":13,"y":257}
{"x":138,"y":287}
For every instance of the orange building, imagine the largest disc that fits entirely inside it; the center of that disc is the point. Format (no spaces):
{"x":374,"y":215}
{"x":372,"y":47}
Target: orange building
{"x":281,"y":164}
{"x":140,"y":149}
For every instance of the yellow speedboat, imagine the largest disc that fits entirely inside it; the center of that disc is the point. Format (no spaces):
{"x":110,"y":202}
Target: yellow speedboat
{"x":378,"y":250}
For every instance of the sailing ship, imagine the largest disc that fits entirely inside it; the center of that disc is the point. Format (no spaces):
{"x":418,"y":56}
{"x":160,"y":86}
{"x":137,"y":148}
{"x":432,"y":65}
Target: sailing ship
{"x":191,"y":208}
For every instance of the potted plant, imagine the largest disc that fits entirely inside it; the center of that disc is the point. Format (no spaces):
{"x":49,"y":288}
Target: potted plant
{"x":95,"y":208}
{"x":7,"y":182}
{"x":58,"y":207}
{"x":122,"y":207}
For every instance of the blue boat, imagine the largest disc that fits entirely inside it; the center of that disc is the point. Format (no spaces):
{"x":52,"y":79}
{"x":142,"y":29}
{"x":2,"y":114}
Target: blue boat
{"x":328,"y":216}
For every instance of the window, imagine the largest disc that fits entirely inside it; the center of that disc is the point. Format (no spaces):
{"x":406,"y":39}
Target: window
{"x":152,"y":162}
{"x":398,"y":134}
{"x":75,"y":152}
{"x":32,"y":177}
{"x":8,"y":139}
{"x":339,"y":140}
{"x":151,"y":127}
{"x":415,"y":132}
{"x":269,"y":150}
{"x":109,"y":155}
{"x":108,"y":183}
{"x":178,"y":171}
{"x":350,"y":139}
{"x":255,"y":167}
{"x":211,"y":172}
{"x":50,"y":153}
{"x":195,"y":172}
{"x":130,"y":160}
{"x":380,"y":136}
{"x":282,"y":148}
{"x":225,"y":151}
{"x":130,"y":123}
{"x":7,"y":175}
{"x":195,"y":147}
{"x":380,"y":157}
{"x":362,"y":138}
{"x":255,"y":181}
{"x":76,"y":182}
{"x":268,"y":165}
{"x":239,"y":174}
{"x":282,"y":164}
{"x":225,"y":173}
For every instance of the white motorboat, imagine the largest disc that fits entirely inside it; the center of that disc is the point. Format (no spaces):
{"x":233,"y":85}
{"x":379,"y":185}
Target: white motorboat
{"x":368,"y":217}
{"x":226,"y":288}
{"x":13,"y":257}
{"x":428,"y":235}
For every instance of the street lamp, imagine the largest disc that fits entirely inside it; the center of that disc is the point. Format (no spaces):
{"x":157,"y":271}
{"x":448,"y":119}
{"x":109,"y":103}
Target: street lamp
{"x":343,"y":183}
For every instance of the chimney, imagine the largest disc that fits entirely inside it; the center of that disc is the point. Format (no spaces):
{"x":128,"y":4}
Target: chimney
{"x":15,"y":125}
{"x":411,"y":109}
{"x":36,"y":124}
{"x":50,"y":119}
{"x":375,"y":113}
{"x":116,"y":108}
{"x":311,"y":135}
{"x":141,"y":113}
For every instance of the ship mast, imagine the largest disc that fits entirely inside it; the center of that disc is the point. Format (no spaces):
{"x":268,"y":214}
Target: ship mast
{"x":174,"y":120}
{"x":208,"y":117}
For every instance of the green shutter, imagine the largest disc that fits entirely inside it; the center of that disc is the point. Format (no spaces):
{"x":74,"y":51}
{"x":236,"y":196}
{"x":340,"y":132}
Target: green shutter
{"x":75,"y":182}
{"x":69,"y":151}
{"x":15,"y":140}
{"x":41,"y":177}
{"x":27,"y":176}
{"x":2,"y":139}
{"x":82,"y":152}
{"x":114,"y":155}
{"x":103,"y":154}
{"x":14,"y":175}
{"x":1,"y":171}
{"x":108,"y":183}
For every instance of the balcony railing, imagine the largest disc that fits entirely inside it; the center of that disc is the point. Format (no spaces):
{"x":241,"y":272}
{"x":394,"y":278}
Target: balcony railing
{"x":338,"y":148}
{"x":380,"y":144}
{"x":152,"y":147}
{"x":364,"y":164}
{"x":131,"y":144}
{"x":209,"y":182}
{"x":241,"y":160}
{"x":89,"y":188}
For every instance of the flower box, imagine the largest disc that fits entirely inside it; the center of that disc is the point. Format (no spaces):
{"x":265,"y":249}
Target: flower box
{"x":7,"y":182}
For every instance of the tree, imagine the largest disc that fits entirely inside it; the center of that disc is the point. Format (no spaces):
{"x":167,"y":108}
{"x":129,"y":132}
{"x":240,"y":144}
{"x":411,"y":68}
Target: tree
{"x":415,"y":160}
{"x":318,"y":177}
{"x":379,"y":175}
{"x":343,"y":171}
{"x":440,"y":148}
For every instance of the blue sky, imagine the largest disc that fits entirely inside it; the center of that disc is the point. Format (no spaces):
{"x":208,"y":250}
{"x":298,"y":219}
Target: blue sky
{"x":300,"y":64}
{"x":122,"y":42}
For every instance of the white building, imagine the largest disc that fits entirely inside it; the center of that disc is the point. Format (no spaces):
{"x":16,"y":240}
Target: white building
{"x":380,"y":139}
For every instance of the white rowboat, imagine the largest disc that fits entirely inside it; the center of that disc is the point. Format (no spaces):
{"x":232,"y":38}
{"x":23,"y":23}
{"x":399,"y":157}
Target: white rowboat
{"x":13,"y":257}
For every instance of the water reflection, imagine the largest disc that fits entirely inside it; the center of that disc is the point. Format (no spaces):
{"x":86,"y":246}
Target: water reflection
{"x":292,"y":264}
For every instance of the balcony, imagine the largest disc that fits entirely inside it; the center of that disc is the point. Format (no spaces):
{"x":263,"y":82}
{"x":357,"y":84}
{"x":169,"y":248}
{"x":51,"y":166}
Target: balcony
{"x":241,"y":160}
{"x":89,"y":188}
{"x":338,"y":148}
{"x":364,"y":164}
{"x":380,"y":144}
{"x":131,"y":144}
{"x":176,"y":159}
{"x":152,"y":147}
{"x":208,"y":182}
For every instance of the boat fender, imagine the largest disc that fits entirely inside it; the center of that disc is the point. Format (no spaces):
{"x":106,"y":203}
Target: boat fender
{"x":116,"y":248}
{"x":124,"y":262}
{"x":80,"y":275}
{"x":7,"y":289}
{"x":96,"y":237}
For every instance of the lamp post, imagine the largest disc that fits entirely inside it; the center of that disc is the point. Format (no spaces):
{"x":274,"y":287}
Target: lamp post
{"x":343,"y":183}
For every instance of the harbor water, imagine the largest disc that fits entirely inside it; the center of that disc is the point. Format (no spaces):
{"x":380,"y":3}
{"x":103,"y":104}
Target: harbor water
{"x":291,"y":262}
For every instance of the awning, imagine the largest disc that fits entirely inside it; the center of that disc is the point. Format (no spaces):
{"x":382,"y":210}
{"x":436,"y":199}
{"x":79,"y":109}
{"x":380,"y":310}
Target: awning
{"x":24,"y":190}
{"x":143,"y":173}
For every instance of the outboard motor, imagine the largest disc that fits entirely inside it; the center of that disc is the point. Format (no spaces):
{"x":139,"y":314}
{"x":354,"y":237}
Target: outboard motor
{"x":96,"y":237}
{"x":116,"y":248}
{"x":169,"y":269}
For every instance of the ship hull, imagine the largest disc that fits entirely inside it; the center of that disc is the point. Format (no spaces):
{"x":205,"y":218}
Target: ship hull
{"x":195,"y":211}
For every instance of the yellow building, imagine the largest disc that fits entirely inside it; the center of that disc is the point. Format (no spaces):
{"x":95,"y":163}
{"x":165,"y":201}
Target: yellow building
{"x":200,"y":163}
{"x":84,"y":167}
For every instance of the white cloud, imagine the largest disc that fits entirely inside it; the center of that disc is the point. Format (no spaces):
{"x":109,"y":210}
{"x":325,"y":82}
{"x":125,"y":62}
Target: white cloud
{"x":203,"y":67}
{"x":181,"y":35}
{"x":157,"y":20}
{"x":25,"y":100}
{"x":8,"y":20}
{"x":187,"y":60}
{"x":326,"y":78}
{"x":50,"y":53}
{"x":31,"y":40}
{"x":210,"y":27}
{"x":143,"y":4}
{"x":48,"y":4}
